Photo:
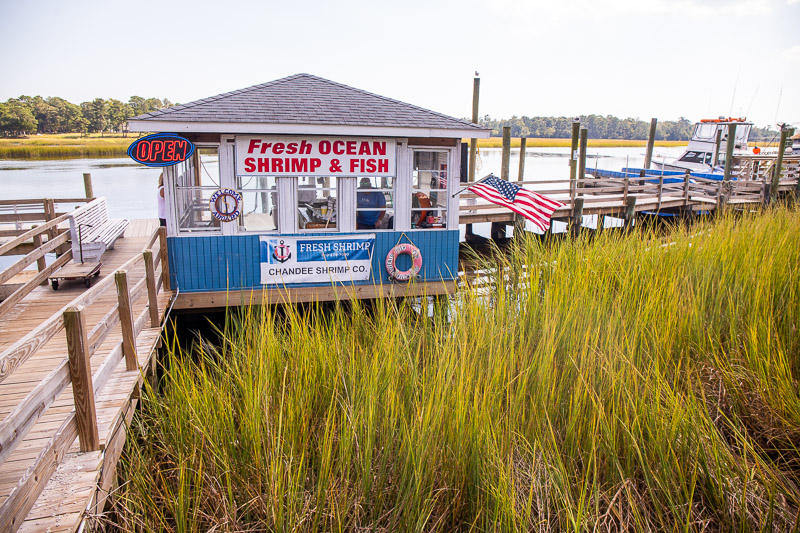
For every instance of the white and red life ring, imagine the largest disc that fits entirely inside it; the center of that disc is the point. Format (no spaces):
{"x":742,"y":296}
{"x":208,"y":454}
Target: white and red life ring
{"x":391,"y":262}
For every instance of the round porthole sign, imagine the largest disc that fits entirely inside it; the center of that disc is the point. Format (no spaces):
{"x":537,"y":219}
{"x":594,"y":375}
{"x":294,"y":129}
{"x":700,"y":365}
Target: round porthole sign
{"x":225,"y":205}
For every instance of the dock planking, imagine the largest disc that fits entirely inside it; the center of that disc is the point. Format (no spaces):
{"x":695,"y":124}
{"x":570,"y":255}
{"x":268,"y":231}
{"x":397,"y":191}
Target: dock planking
{"x":46,"y":467}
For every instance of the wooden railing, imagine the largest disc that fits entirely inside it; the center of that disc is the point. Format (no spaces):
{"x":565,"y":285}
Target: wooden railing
{"x":22,"y":213}
{"x":82,"y":343}
{"x":626,"y":195}
{"x":56,"y":239}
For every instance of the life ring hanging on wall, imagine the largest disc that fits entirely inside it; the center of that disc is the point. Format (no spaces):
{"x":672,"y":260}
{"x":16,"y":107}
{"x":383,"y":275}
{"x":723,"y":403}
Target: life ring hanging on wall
{"x":391,"y":262}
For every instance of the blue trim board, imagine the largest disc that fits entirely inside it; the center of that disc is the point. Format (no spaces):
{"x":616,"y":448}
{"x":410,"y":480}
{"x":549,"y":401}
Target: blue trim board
{"x":219,"y":263}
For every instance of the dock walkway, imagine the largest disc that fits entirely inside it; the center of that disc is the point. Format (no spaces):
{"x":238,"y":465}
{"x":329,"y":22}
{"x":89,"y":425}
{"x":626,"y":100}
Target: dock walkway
{"x":624,"y":198}
{"x":59,"y":444}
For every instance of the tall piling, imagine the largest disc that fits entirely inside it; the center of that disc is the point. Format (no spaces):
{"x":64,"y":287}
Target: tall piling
{"x":506,"y":159}
{"x":473,"y":143}
{"x":523,"y":141}
{"x":729,"y":146}
{"x":651,"y":141}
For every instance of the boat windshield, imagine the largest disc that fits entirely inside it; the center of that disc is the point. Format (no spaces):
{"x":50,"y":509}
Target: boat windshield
{"x":705,"y":132}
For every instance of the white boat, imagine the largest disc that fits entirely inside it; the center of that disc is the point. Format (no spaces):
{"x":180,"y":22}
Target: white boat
{"x":700,"y":153}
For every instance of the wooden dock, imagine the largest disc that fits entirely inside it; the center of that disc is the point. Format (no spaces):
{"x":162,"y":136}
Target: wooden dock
{"x":71,"y":365}
{"x":624,"y":198}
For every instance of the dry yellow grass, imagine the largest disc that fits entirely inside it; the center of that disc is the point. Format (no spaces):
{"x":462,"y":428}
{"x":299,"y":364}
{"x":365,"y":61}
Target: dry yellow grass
{"x":64,"y":145}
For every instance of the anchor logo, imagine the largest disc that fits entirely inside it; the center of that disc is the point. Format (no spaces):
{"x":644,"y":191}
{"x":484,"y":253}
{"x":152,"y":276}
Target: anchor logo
{"x":282,"y":253}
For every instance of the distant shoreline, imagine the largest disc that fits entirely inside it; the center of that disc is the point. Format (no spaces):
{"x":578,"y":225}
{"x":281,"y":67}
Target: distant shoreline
{"x":73,"y":146}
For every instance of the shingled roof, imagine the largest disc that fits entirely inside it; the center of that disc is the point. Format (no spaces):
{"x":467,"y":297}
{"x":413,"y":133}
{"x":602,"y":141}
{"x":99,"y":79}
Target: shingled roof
{"x":301,"y":99}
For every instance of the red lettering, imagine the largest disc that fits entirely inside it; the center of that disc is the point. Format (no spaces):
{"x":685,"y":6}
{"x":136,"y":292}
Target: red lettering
{"x":363,"y":148}
{"x":371,"y":166}
{"x":249,"y":165}
{"x":379,"y":148}
{"x":277,"y":164}
{"x":299,"y":165}
{"x":264,"y":147}
{"x":383,"y":165}
{"x":315,"y":164}
{"x":183,"y":146}
{"x":324,"y":147}
{"x":354,"y":163}
{"x":278,"y":148}
{"x":143,"y":151}
{"x":169,"y":152}
{"x":253,"y":145}
{"x":305,"y":147}
{"x":263,"y":164}
{"x":338,"y":147}
{"x":351,"y":148}
{"x":291,"y":148}
{"x":158,"y":150}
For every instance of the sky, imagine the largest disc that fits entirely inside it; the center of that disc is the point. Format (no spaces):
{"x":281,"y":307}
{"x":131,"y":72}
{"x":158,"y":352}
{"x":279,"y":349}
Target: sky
{"x":628,"y":58}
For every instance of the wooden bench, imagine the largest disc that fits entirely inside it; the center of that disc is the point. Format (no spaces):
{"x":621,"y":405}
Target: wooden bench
{"x":93,"y":232}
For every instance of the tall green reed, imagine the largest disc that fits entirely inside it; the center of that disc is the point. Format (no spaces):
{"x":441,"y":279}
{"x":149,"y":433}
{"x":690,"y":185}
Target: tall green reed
{"x":640,"y":382}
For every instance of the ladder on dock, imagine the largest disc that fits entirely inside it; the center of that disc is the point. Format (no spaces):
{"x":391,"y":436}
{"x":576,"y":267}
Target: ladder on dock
{"x":72,"y":363}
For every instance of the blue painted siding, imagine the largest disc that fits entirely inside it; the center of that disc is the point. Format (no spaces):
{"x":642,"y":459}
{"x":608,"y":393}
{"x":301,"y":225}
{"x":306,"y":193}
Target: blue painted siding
{"x":218,"y":263}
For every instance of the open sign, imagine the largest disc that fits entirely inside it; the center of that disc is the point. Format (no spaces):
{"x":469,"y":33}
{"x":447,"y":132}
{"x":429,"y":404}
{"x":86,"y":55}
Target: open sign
{"x":161,"y":150}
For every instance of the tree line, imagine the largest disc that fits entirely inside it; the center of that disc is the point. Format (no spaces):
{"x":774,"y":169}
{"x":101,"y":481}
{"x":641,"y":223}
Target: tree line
{"x":33,"y":114}
{"x":601,"y":127}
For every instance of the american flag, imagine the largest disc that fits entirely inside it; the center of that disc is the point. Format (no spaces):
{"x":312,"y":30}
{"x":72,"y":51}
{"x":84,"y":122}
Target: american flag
{"x":535,"y":207}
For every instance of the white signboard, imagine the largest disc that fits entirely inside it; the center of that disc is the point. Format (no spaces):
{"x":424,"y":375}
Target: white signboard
{"x":316,"y":259}
{"x":314,"y":156}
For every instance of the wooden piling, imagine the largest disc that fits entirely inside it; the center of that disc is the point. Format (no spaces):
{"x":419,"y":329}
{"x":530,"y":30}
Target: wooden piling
{"x":473,"y":143}
{"x":41,"y":263}
{"x":80,"y":372}
{"x":651,"y":140}
{"x":87,"y":185}
{"x":152,"y":293}
{"x":776,"y":174}
{"x":576,"y":219}
{"x":162,"y":242}
{"x":582,"y":162}
{"x":717,"y":144}
{"x":630,"y":212}
{"x":523,"y":141}
{"x":573,"y":152}
{"x":731,"y":144}
{"x":126,"y":320}
{"x":505,"y":161}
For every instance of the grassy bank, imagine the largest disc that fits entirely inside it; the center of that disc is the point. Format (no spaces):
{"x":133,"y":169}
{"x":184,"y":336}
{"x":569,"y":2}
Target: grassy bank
{"x":613,"y":384}
{"x":67,"y":145}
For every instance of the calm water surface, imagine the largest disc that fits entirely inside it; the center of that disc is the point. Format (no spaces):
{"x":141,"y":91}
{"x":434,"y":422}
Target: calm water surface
{"x":131,"y":188}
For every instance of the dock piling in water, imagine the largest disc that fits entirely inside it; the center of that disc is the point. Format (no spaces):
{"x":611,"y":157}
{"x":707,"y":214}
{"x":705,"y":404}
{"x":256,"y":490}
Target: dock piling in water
{"x":523,"y":141}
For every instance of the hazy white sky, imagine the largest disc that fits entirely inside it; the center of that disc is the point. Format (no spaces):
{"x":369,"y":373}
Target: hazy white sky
{"x":629,"y":58}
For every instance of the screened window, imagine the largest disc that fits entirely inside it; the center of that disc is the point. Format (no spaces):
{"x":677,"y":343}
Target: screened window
{"x":260,"y":203}
{"x":317,"y":203}
{"x":196,"y":180}
{"x":429,"y":189}
{"x":375,"y":203}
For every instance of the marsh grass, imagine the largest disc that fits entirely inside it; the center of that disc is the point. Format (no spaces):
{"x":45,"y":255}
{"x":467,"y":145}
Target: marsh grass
{"x":69,"y":145}
{"x":620,"y":383}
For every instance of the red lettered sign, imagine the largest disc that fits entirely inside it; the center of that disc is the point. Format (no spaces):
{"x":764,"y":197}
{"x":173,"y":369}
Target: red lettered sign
{"x":161,"y":150}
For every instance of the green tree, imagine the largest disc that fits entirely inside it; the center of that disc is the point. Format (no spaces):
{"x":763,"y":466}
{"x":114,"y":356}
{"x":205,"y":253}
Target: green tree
{"x":95,"y":114}
{"x":116,"y":114}
{"x":16,"y":118}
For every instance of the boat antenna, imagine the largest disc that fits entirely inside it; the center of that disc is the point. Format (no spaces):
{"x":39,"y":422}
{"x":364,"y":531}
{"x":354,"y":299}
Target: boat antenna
{"x":735,"y":85}
{"x":752,"y":100}
{"x":777,"y":107}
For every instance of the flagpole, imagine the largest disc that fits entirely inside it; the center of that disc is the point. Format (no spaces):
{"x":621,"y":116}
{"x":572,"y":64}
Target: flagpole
{"x":471,"y":184}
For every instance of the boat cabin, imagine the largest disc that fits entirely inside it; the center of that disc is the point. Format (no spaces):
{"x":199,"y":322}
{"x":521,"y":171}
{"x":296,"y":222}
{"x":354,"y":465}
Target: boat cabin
{"x":303,"y":188}
{"x":702,"y":152}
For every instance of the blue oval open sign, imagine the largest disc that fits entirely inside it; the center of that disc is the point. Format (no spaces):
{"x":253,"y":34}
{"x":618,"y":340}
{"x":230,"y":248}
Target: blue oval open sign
{"x":161,"y":150}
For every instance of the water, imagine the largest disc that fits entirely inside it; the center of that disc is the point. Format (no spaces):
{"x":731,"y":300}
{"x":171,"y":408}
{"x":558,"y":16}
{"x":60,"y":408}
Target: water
{"x":131,"y":189}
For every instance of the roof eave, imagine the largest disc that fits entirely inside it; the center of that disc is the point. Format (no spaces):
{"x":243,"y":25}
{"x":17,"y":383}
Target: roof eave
{"x":303,"y":129}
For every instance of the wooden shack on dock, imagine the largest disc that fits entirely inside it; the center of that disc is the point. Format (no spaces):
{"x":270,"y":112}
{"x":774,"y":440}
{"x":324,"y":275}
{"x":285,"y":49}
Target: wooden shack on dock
{"x":301,"y":188}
